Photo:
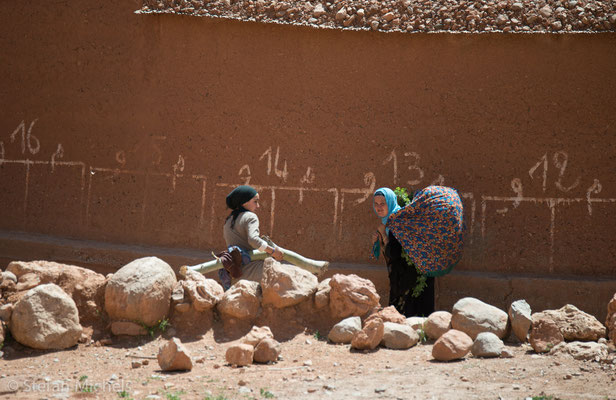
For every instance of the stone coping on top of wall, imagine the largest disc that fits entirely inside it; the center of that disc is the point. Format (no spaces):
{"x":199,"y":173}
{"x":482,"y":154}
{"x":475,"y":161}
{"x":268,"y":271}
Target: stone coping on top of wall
{"x":459,"y":16}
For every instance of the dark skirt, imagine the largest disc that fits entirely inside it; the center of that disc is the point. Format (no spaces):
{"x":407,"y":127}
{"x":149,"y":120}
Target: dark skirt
{"x":402,"y":281}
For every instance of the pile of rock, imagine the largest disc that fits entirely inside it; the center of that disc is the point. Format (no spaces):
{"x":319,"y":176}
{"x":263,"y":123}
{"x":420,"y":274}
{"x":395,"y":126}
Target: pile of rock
{"x":258,"y":346}
{"x":409,"y":15}
{"x":479,"y":328}
{"x":46,"y":303}
{"x":386,"y":327}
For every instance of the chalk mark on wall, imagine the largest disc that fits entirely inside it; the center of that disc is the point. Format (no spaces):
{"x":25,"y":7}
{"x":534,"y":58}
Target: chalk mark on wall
{"x":340,"y":196}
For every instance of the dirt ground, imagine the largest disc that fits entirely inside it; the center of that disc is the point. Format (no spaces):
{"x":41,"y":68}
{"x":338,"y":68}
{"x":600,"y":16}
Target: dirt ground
{"x":309,"y":367}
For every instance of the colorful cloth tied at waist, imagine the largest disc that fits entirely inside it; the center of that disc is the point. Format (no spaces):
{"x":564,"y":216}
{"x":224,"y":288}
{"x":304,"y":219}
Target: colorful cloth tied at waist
{"x":431,"y":229}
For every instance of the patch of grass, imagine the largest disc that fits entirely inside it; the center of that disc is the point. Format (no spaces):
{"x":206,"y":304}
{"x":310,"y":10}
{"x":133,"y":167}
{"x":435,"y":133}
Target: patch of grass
{"x":317,"y":335}
{"x":82,"y":378}
{"x":423,"y":338}
{"x":219,"y":397}
{"x":542,"y":397}
{"x":160,"y":326}
{"x":175,"y":395}
{"x":124,"y":395}
{"x":266,"y":393}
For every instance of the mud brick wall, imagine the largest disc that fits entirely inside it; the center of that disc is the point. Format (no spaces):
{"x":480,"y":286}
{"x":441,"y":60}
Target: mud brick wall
{"x":120,"y":135}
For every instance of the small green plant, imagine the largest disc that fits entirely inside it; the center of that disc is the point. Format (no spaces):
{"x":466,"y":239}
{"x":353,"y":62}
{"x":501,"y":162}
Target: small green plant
{"x":88,"y":388}
{"x":267,"y":394}
{"x":317,"y":335}
{"x":423,"y":338}
{"x":124,"y":394}
{"x":174,"y":396}
{"x":542,"y":397}
{"x":160,"y":326}
{"x":1,"y":345}
{"x":82,"y":378}
{"x":219,"y":397}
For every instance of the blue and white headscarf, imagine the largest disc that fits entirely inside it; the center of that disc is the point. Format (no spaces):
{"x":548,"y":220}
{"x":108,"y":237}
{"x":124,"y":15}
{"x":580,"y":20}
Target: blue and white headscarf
{"x":392,"y":202}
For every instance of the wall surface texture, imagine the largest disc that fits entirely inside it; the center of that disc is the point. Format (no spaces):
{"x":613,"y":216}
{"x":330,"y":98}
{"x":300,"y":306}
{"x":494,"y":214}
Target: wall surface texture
{"x":121,"y":134}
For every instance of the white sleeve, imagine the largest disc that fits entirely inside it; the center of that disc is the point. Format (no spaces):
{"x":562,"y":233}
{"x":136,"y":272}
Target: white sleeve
{"x":252,"y":231}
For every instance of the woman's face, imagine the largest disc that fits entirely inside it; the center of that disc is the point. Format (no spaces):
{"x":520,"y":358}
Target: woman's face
{"x":252,"y":205}
{"x":380,"y":206}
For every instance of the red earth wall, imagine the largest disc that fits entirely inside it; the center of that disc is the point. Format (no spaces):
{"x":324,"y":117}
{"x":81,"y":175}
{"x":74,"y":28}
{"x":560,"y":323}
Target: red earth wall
{"x":120,"y":135}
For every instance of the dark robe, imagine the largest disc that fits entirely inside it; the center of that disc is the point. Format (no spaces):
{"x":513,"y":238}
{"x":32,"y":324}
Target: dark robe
{"x":402,"y":281}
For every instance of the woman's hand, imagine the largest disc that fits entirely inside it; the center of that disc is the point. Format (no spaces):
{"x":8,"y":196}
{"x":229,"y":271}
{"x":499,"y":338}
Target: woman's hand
{"x":278,"y":254}
{"x":380,"y":230}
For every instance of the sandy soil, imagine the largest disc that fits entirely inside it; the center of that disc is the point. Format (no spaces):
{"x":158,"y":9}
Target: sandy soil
{"x":310,"y":367}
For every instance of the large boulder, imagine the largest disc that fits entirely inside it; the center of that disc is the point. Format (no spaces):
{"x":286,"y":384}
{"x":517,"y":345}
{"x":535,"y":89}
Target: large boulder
{"x":520,"y":317}
{"x":610,"y":321}
{"x":452,"y":345}
{"x":473,"y":316}
{"x":398,"y":336}
{"x":575,"y":325}
{"x":351,"y":295}
{"x":86,"y":287}
{"x":370,"y":336}
{"x":285,"y":285}
{"x":204,"y":293}
{"x":242,"y":300}
{"x":584,"y":351}
{"x":544,"y":333}
{"x":173,"y":356}
{"x":46,"y":318}
{"x":140,"y":291}
{"x":344,"y":330}
{"x":437,"y":323}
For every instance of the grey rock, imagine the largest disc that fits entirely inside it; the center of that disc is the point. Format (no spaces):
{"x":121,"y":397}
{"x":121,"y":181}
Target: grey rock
{"x":487,"y":344}
{"x":344,"y":330}
{"x":520,"y":317}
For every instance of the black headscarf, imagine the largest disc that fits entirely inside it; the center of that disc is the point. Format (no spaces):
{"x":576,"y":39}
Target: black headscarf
{"x":236,"y":198}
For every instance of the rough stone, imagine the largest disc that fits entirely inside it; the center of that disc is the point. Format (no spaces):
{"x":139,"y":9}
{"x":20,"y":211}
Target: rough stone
{"x":321,"y":297}
{"x":388,"y":314}
{"x":520,"y":317}
{"x":370,"y":336}
{"x":473,"y":316}
{"x":127,"y":328}
{"x":584,"y":351}
{"x":8,"y":276}
{"x":173,"y":356}
{"x":398,"y":336}
{"x":46,"y":317}
{"x":240,"y":354}
{"x":318,"y":10}
{"x":344,"y":330}
{"x":267,"y":351}
{"x":242,"y":300}
{"x":203,"y":293}
{"x":486,"y":345}
{"x":140,"y":291}
{"x":437,"y":323}
{"x":351,"y":295}
{"x":452,"y":345}
{"x":544,"y":333}
{"x":5,"y":312}
{"x":416,"y":322}
{"x":256,"y":335}
{"x":84,"y":286}
{"x":575,"y":324}
{"x":285,"y":285}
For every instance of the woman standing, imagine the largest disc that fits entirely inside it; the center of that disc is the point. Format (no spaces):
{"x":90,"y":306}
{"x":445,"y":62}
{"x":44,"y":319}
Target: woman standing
{"x":429,"y":230}
{"x":241,"y":233}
